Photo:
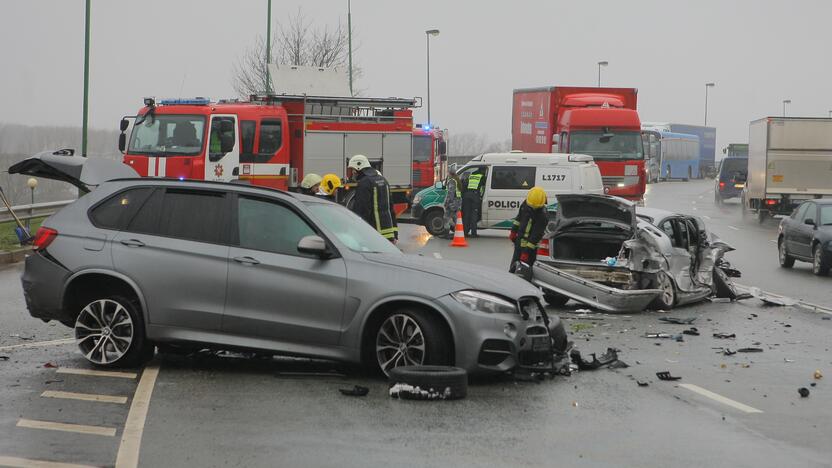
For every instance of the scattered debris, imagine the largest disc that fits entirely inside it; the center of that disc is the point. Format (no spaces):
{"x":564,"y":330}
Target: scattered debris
{"x":53,"y":381}
{"x":409,"y":392}
{"x":676,"y":337}
{"x":21,"y":337}
{"x":750,"y":350}
{"x":728,"y":352}
{"x":826,"y":318}
{"x":788,"y":360}
{"x":725,"y":336}
{"x":691,"y":331}
{"x":772,"y":299}
{"x":803,"y":391}
{"x":4,"y":358}
{"x":642,"y":384}
{"x":743,"y":296}
{"x":50,"y":365}
{"x":357,"y":390}
{"x":719,"y":299}
{"x":677,"y":320}
{"x":666,"y":376}
{"x":608,"y":358}
{"x":813,"y":384}
{"x":818,"y":375}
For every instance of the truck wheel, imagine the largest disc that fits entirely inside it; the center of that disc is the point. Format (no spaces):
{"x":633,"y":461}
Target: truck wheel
{"x":820,"y":265}
{"x":434,"y":222}
{"x":786,"y":260}
{"x":109,"y":332}
{"x":411,"y":337}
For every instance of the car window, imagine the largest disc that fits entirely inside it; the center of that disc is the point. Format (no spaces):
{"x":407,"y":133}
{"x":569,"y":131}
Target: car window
{"x":193,"y":215}
{"x":271,"y":139}
{"x":270,"y":226}
{"x":351,"y":230}
{"x":247,"y":130}
{"x":116,"y":211}
{"x":799,"y":212}
{"x":667,"y":228}
{"x":684,"y":233}
{"x":825,"y":215}
{"x":512,"y":177}
{"x":808,"y":213}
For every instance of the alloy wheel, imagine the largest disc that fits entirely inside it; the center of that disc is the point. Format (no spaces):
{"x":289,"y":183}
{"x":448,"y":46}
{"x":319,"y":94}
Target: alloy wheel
{"x":668,"y":293}
{"x":104,"y":331}
{"x":782,"y":252}
{"x":816,"y":261}
{"x":399,"y":342}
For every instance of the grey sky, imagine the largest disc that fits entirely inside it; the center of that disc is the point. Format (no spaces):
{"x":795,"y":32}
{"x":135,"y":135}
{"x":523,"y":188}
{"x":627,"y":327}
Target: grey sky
{"x":757,"y":52}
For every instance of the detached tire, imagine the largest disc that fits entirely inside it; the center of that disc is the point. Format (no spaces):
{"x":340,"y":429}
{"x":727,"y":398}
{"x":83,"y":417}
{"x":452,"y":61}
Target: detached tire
{"x":451,"y":382}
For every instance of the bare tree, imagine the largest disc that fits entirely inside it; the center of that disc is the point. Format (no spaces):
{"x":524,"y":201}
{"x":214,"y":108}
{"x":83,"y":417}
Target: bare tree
{"x":296,"y":42}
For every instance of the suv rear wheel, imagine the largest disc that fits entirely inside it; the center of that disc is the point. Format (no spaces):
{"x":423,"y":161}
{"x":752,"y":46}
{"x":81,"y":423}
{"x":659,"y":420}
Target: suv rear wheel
{"x":411,"y":337}
{"x":109,"y":331}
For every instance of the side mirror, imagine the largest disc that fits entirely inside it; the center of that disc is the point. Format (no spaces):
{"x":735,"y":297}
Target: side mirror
{"x":124,"y":124}
{"x":809,"y":221}
{"x":313,"y":245}
{"x":122,"y":142}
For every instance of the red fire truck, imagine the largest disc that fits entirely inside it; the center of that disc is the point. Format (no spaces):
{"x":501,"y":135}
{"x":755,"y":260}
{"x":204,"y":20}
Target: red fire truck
{"x":272,"y":140}
{"x":600,"y":122}
{"x":430,"y":160}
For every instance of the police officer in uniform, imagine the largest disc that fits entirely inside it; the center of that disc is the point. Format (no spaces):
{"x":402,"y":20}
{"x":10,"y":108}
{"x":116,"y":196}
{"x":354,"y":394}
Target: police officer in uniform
{"x":528,"y":228}
{"x":372,"y":198}
{"x":453,"y":202}
{"x":472,"y":190}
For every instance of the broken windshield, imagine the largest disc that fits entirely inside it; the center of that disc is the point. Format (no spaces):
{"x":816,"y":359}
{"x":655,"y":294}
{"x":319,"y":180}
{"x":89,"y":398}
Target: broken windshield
{"x":164,"y":135}
{"x":607,"y":146}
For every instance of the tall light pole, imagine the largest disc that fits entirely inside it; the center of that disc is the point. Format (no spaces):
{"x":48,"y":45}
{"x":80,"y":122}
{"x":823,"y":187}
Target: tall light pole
{"x":707,"y":85}
{"x":830,"y":114}
{"x":428,"y":34}
{"x":86,"y":79}
{"x":785,"y":101}
{"x":268,"y":47}
{"x":349,"y":40}
{"x":602,"y":63}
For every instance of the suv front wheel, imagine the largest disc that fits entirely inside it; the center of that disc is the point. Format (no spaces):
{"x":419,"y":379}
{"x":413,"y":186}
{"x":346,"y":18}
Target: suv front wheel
{"x":411,"y":337}
{"x":109,"y":332}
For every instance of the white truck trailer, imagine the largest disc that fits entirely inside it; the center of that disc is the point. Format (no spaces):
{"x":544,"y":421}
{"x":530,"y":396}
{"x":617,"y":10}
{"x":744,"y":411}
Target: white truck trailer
{"x":789,"y":161}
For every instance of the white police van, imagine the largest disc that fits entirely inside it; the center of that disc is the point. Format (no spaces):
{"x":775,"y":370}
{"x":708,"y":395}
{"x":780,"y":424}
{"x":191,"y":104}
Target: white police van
{"x":508,"y":178}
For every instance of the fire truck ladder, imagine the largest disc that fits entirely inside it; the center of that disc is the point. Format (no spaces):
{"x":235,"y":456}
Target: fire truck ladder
{"x":343,"y":108}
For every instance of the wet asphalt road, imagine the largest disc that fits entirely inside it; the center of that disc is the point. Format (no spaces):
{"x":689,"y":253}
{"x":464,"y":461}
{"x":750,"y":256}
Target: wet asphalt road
{"x":287,"y":412}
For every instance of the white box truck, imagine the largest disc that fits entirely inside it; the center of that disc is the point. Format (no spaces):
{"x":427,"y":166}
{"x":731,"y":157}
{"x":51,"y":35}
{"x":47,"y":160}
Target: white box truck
{"x":789,"y":160}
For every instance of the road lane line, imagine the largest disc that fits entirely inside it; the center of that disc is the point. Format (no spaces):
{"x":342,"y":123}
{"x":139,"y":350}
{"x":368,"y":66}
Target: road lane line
{"x":16,"y":462}
{"x":437,"y":255}
{"x":65,"y":427}
{"x":85,"y":397}
{"x":720,"y":398}
{"x":734,"y":228}
{"x":96,"y":373}
{"x":39,"y":344}
{"x":131,"y":437}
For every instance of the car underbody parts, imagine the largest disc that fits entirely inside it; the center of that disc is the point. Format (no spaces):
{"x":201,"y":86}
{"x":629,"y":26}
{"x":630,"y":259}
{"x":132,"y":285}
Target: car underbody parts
{"x":803,"y":391}
{"x":725,"y":335}
{"x":357,"y":390}
{"x":693,"y":331}
{"x":667,"y":336}
{"x":428,"y":383}
{"x":666,"y":376}
{"x":642,"y":384}
{"x":750,"y":350}
{"x":607,"y":359}
{"x":677,"y":320}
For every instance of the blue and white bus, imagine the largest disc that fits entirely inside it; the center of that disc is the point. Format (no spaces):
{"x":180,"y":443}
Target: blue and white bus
{"x":677,"y":155}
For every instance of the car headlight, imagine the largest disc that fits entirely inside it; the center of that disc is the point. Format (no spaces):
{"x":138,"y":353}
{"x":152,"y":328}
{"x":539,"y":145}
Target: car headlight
{"x":484,"y":302}
{"x":417,"y":199}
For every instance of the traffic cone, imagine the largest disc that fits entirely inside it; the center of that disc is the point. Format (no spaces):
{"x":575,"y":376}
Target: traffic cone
{"x":459,"y":233}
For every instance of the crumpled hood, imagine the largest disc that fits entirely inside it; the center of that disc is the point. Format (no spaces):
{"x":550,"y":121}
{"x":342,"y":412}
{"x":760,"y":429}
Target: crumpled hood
{"x":473,"y":276}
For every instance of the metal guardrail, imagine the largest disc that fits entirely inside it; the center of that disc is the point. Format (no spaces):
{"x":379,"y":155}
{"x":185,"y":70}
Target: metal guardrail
{"x":37,"y":210}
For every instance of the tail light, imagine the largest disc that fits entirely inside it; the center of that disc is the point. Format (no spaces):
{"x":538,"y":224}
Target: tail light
{"x":771,"y":202}
{"x":543,"y":248}
{"x":43,"y":238}
{"x":721,"y":185}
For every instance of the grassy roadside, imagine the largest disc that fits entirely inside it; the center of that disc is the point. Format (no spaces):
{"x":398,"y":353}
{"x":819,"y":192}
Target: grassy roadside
{"x":8,"y":239}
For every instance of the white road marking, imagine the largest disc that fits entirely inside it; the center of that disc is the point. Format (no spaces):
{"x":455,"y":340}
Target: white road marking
{"x":437,"y":255}
{"x":16,"y":462}
{"x":85,"y":397}
{"x":96,"y":373}
{"x":773,"y":240}
{"x":39,"y":344}
{"x":131,"y":437}
{"x":734,"y":228}
{"x":64,"y":427}
{"x":719,"y":398}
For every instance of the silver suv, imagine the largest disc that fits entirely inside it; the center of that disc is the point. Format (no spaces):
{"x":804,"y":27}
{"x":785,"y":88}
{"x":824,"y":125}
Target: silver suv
{"x":138,"y":262}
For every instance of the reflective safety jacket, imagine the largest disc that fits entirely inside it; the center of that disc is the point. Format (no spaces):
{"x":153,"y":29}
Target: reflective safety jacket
{"x":530,"y":225}
{"x":473,"y":183}
{"x":373,"y":203}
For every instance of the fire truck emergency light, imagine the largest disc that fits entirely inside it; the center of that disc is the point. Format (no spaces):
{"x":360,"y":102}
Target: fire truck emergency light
{"x":197,"y":101}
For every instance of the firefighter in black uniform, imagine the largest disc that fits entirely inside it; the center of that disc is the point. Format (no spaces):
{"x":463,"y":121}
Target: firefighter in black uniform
{"x":528,"y":229}
{"x":372,"y":198}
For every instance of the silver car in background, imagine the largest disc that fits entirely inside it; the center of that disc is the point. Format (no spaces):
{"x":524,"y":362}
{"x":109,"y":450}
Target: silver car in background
{"x":139,"y":262}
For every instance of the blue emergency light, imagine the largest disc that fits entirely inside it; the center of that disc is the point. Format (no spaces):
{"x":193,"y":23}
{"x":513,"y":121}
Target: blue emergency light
{"x":197,"y":101}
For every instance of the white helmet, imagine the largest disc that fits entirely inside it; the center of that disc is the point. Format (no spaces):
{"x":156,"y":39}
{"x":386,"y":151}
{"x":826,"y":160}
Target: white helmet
{"x":310,"y":180}
{"x":359,"y":162}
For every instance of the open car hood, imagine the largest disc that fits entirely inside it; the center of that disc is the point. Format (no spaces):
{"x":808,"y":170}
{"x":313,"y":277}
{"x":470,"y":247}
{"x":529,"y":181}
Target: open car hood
{"x":574,"y":209}
{"x":81,"y":172}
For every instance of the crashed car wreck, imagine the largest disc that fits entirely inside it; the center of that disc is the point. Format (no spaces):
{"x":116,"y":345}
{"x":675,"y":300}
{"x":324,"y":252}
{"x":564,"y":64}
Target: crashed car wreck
{"x":606,"y":253}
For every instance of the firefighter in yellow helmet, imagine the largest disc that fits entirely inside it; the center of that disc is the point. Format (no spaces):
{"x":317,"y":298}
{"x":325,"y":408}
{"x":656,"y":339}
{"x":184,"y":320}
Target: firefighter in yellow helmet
{"x":528,"y":229}
{"x":372,"y":200}
{"x":329,"y":185}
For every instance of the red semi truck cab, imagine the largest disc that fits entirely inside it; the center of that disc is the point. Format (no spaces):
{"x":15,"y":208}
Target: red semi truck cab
{"x":600,"y":122}
{"x":430,"y":161}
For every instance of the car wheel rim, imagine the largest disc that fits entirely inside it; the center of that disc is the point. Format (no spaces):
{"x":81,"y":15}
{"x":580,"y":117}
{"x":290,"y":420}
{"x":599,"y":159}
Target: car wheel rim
{"x":437,"y":223}
{"x":782,"y":253}
{"x":816,"y":263}
{"x":104,"y":331}
{"x":667,"y":289}
{"x":399,"y":342}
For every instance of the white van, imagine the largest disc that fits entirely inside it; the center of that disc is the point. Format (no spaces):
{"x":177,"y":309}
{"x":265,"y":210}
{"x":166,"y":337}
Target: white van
{"x":508,"y":179}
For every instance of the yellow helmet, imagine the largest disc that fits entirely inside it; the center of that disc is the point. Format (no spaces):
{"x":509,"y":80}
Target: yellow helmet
{"x":330,"y":183}
{"x":536,"y":197}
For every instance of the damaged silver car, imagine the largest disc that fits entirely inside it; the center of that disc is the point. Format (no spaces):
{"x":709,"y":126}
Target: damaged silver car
{"x":606,"y":253}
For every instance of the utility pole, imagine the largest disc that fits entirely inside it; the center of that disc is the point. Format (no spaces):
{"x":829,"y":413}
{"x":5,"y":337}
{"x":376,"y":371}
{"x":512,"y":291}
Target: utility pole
{"x":707,"y":85}
{"x":349,"y":40}
{"x":602,"y":63}
{"x":86,"y":80}
{"x":428,"y":34}
{"x":268,"y":48}
{"x":785,"y":101}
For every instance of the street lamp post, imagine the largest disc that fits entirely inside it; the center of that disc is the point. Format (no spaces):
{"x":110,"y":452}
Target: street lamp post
{"x":428,"y":34}
{"x":830,"y":114}
{"x":32,"y":183}
{"x":86,"y":79}
{"x":268,"y":47}
{"x":349,"y":40}
{"x":707,"y":85}
{"x":785,"y":101}
{"x":602,"y":63}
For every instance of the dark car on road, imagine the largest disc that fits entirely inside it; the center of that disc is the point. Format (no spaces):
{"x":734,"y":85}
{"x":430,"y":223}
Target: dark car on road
{"x":142,"y":262}
{"x":731,"y":178}
{"x":806,"y":235}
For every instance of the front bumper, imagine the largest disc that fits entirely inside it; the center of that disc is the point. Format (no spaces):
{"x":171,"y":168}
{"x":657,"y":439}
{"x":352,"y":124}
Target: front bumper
{"x":497,"y":343}
{"x":43,"y":281}
{"x":593,"y":294}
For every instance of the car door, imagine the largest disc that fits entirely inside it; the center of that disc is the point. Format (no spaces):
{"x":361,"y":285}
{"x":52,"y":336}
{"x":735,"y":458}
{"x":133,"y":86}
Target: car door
{"x":679,"y":259}
{"x":790,"y":225}
{"x":274,"y":291}
{"x":176,"y":250}
{"x":507,"y":188}
{"x":220,"y":165}
{"x":803,"y":233}
{"x":463,"y":177}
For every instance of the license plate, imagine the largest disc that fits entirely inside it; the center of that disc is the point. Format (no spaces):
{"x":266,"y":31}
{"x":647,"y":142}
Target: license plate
{"x":541,"y":344}
{"x":739,"y":185}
